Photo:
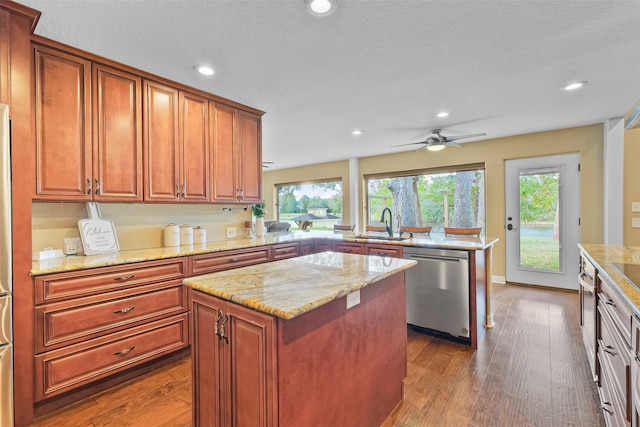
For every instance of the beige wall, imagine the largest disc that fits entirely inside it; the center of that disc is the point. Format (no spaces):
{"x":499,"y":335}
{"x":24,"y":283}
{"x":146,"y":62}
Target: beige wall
{"x":631,"y":184}
{"x":586,"y":140}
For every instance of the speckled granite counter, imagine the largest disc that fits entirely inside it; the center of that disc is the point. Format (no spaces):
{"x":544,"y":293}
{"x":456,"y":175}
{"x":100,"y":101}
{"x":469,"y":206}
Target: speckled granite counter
{"x":73,"y":263}
{"x":603,"y":256}
{"x":291,"y":287}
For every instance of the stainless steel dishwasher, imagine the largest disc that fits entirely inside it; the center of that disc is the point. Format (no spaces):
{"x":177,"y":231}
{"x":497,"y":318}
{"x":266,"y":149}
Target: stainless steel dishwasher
{"x":438,"y":291}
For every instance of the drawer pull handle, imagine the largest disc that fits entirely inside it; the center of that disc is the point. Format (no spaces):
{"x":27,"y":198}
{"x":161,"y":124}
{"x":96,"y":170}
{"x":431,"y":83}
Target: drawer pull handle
{"x":607,"y":410}
{"x":610,"y":302}
{"x":125,"y":310}
{"x":608,"y":349}
{"x":123,"y":352}
{"x":236,"y":259}
{"x":215,"y":326}
{"x":123,"y":278}
{"x":382,"y":254}
{"x":222,"y":335}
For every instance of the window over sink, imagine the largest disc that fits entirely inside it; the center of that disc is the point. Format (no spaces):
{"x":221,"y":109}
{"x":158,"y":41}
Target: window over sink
{"x":310,"y":205}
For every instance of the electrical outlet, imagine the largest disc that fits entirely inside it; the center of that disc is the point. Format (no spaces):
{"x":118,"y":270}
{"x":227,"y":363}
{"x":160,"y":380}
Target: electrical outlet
{"x":231,"y":232}
{"x":353,"y":299}
{"x":635,"y":206}
{"x":72,"y":245}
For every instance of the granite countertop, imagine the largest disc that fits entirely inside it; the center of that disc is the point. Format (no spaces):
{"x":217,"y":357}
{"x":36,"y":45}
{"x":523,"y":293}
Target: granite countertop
{"x":81,"y":262}
{"x":603,"y":256}
{"x":294,"y":286}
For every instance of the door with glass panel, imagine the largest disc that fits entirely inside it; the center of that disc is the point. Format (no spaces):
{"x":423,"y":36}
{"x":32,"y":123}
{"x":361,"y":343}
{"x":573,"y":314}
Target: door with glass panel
{"x":543,"y":220}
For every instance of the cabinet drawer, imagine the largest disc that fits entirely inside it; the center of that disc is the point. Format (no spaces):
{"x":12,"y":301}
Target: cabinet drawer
{"x":69,"y":322}
{"x":58,"y":287}
{"x":612,"y":408}
{"x":218,"y":261}
{"x":306,"y":248}
{"x":285,"y":250}
{"x":615,"y":361}
{"x":71,"y":367}
{"x":618,"y":309}
{"x":384,"y":250}
{"x":349,"y":248}
{"x":322,"y":246}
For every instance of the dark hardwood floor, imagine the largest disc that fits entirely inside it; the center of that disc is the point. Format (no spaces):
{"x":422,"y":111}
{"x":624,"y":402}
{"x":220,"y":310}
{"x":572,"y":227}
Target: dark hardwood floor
{"x":530,"y":370}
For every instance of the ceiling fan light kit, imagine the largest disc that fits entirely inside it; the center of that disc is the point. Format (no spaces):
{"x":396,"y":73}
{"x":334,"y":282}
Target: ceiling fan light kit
{"x":320,"y":7}
{"x":436,"y":142}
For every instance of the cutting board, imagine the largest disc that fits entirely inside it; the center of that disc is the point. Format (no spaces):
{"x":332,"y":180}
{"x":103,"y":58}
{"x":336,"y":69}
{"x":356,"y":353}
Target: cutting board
{"x":98,"y":235}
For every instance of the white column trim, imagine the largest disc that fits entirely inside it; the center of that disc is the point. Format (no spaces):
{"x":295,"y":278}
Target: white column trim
{"x":613,"y":181}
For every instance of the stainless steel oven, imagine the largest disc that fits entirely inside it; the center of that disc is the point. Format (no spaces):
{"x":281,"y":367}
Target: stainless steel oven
{"x":588,"y":301}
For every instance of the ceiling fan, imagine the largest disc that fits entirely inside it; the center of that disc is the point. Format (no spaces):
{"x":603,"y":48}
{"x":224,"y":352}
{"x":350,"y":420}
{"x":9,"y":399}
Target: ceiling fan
{"x":436,"y":141}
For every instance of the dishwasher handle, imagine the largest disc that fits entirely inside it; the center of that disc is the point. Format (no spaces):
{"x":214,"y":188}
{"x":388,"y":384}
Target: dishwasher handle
{"x":433,"y":258}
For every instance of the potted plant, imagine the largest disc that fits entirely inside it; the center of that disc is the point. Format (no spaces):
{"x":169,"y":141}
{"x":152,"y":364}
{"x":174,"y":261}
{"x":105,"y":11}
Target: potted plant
{"x":259,"y":211}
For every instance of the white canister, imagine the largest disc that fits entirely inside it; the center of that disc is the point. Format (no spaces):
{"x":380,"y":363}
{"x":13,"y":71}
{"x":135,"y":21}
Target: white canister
{"x":199,"y":235}
{"x":186,"y":235}
{"x":172,"y":235}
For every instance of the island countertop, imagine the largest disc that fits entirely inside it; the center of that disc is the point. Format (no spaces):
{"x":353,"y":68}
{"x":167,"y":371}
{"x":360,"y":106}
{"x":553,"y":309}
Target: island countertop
{"x":294,"y":286}
{"x":81,"y":262}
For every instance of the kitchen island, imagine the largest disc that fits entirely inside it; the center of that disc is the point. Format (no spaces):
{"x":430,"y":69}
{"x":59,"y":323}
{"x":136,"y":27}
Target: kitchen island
{"x":313,"y":340}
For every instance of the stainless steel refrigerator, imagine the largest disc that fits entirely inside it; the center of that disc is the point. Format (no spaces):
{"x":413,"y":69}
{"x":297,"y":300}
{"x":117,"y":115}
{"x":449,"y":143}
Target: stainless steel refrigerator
{"x":6,"y":277}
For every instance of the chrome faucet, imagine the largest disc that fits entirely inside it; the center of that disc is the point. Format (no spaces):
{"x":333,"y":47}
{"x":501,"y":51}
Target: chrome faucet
{"x":387,"y":225}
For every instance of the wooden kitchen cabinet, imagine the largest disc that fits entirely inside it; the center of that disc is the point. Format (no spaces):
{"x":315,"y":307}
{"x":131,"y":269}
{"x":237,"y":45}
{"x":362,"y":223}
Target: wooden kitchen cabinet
{"x":226,"y":260}
{"x":236,"y":155}
{"x":233,"y":359}
{"x":63,"y":126}
{"x":349,"y":247}
{"x":614,"y":355}
{"x":88,"y":130}
{"x":285,"y":250}
{"x":92,"y":324}
{"x":176,"y":145}
{"x":383,"y":250}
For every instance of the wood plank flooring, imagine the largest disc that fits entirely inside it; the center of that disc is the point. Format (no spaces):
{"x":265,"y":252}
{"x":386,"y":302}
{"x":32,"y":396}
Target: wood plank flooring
{"x":529,"y":370}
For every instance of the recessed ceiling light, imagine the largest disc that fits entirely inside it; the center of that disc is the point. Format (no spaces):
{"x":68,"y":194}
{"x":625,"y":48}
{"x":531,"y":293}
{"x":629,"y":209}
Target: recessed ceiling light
{"x":320,"y":7}
{"x":442,"y":114}
{"x":356,"y":132}
{"x":574,"y":86}
{"x":204,"y":70}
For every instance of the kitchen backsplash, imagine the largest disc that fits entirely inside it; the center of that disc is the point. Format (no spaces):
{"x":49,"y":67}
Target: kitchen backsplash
{"x":138,"y":226}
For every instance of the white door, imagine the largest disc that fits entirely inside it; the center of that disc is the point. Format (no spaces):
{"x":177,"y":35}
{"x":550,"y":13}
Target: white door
{"x":543,"y":220}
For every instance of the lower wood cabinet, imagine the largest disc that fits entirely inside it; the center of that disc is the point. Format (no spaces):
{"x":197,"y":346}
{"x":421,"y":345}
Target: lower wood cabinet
{"x":285,"y":250}
{"x":349,"y":247}
{"x":91,"y":324}
{"x":233,"y":360}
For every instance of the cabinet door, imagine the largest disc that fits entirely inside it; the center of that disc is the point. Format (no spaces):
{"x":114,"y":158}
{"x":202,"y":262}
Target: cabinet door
{"x":207,"y":405}
{"x":63,"y":126}
{"x":250,"y":166}
{"x":117,"y":149}
{"x":223,"y":162}
{"x":161,"y":148}
{"x":194,"y":159}
{"x":250,"y":368}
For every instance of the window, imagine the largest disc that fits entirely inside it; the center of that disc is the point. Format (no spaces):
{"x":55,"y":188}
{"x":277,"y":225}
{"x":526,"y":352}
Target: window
{"x":451,"y":197}
{"x":319,"y":203}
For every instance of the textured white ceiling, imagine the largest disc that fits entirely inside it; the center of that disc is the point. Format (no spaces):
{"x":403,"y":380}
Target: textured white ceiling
{"x":386,"y":66}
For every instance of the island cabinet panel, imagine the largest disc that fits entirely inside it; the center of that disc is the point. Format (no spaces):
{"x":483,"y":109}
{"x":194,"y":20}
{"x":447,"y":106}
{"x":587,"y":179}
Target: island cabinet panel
{"x":307,"y":247}
{"x":234,"y":361}
{"x":117,"y":150}
{"x":635,"y":374}
{"x":226,"y":260}
{"x":93,"y":324}
{"x":330,"y":366}
{"x":63,"y":125}
{"x":322,"y":246}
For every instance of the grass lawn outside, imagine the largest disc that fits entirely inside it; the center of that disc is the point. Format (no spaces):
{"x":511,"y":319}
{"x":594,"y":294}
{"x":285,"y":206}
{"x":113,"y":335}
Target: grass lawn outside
{"x":540,"y":253}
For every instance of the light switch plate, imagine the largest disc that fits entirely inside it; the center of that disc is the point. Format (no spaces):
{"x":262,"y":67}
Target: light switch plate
{"x":231,"y":232}
{"x":635,"y":222}
{"x":353,"y":299}
{"x":635,"y":206}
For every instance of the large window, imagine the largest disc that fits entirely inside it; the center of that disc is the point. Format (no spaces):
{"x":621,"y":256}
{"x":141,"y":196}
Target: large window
{"x":452,"y":197}
{"x":319,"y":203}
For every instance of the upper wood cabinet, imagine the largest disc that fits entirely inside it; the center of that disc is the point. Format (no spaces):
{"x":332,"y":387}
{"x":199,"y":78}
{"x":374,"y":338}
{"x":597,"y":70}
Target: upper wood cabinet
{"x":63,"y":126}
{"x":237,"y":155}
{"x":79,"y":155}
{"x":176,"y":143}
{"x":117,"y":149}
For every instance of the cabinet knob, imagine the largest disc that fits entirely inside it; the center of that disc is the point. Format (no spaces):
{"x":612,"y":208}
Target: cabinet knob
{"x":97,"y":186}
{"x":88,"y":186}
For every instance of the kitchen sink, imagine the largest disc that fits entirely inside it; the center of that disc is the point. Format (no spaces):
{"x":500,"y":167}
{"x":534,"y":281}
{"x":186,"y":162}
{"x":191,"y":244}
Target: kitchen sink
{"x":380,"y":237}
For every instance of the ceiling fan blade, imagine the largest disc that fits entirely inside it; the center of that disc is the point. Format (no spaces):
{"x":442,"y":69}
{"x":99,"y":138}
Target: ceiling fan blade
{"x":459,"y":137}
{"x":411,"y":143}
